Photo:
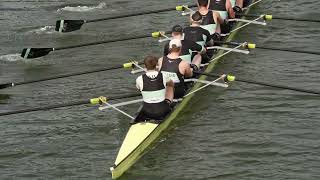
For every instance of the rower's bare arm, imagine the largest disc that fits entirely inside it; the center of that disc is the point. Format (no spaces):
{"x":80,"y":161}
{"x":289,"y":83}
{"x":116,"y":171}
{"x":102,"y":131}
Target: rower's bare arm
{"x":186,"y":69}
{"x":159,"y":65}
{"x":170,"y":83}
{"x":217,"y":17}
{"x":230,"y":9}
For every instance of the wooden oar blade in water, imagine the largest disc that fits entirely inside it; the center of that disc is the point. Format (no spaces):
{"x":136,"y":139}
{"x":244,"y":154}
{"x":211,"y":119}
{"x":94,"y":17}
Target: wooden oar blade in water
{"x":29,"y":53}
{"x":68,"y":25}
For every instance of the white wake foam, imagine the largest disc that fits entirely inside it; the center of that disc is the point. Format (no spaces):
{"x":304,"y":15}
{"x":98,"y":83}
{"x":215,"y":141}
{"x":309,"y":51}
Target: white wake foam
{"x":44,"y":30}
{"x":11,"y":57}
{"x":82,"y":8}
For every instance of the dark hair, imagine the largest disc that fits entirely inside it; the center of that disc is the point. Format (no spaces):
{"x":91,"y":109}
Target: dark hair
{"x":150,"y":62}
{"x":196,"y":16}
{"x":203,"y":2}
{"x":174,"y":49}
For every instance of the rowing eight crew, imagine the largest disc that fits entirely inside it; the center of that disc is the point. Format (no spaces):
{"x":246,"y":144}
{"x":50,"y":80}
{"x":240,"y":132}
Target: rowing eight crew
{"x":164,"y":77}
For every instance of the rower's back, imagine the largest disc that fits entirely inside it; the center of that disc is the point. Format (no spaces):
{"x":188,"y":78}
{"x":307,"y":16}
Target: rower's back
{"x":208,"y":21}
{"x":172,"y":69}
{"x":195,"y":32}
{"x":219,"y":6}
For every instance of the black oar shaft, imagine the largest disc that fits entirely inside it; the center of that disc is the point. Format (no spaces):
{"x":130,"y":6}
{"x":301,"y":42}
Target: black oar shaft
{"x":282,"y":18}
{"x":104,"y":42}
{"x":6,"y":85}
{"x":266,"y":84}
{"x":62,"y":105}
{"x":70,"y":75}
{"x":271,"y":48}
{"x":289,"y":50}
{"x":135,"y":14}
{"x":278,"y":86}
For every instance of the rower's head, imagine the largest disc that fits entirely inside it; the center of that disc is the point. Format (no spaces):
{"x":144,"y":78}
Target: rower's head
{"x":196,"y":18}
{"x":203,"y":3}
{"x":151,"y":62}
{"x":177,"y":31}
{"x":175,"y":46}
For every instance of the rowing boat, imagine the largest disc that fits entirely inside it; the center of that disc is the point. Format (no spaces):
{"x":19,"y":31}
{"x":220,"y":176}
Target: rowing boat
{"x":142,"y":135}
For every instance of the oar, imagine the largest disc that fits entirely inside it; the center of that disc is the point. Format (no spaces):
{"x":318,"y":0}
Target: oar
{"x":73,"y":25}
{"x":233,"y":78}
{"x":252,"y":46}
{"x":29,"y":53}
{"x":270,"y":17}
{"x":75,"y":103}
{"x":126,"y":65}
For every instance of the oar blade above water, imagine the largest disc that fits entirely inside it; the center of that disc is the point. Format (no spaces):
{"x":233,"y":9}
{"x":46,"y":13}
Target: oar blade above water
{"x":29,"y":53}
{"x":6,"y":85}
{"x":68,"y":25}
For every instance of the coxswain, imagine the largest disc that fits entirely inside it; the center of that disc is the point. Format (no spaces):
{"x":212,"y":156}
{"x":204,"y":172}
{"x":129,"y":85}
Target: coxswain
{"x":187,"y":49}
{"x":211,"y":20}
{"x":157,"y":92}
{"x":174,"y":67}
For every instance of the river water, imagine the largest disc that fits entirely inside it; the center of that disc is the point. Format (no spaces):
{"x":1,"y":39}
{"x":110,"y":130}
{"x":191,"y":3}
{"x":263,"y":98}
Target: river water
{"x":243,"y":132}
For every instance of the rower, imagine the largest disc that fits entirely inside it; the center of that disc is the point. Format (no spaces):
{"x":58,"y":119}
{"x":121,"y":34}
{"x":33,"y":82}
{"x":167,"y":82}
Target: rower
{"x":211,"y":20}
{"x":224,"y":7}
{"x":196,"y":33}
{"x":156,"y":90}
{"x":188,"y":47}
{"x":174,"y":67}
{"x":199,"y":35}
{"x":239,"y":5}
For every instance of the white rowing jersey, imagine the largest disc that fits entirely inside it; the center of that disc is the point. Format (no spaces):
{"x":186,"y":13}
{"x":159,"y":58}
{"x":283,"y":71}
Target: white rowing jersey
{"x":152,"y":86}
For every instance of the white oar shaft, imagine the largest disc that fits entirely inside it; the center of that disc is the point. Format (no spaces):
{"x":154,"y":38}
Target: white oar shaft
{"x":227,"y":49}
{"x":119,"y":110}
{"x":246,"y":24}
{"x":121,"y":104}
{"x":252,"y":4}
{"x":207,"y":82}
{"x":226,"y":53}
{"x":248,"y":21}
{"x":192,"y":92}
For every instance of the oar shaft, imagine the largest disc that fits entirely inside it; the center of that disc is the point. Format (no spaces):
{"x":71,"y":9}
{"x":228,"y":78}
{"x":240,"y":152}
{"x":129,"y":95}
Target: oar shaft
{"x":278,"y":86}
{"x":266,"y":84}
{"x":282,"y":18}
{"x":104,"y":42}
{"x":289,"y":50}
{"x":45,"y":108}
{"x":271,"y":48}
{"x":70,"y":75}
{"x":135,"y":14}
{"x":81,"y":102}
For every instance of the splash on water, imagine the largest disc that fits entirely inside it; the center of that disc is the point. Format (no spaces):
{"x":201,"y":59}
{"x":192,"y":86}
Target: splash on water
{"x":44,"y":30}
{"x":11,"y":57}
{"x":82,"y":8}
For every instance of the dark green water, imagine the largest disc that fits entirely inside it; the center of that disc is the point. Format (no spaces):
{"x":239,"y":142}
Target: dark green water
{"x":243,"y":132}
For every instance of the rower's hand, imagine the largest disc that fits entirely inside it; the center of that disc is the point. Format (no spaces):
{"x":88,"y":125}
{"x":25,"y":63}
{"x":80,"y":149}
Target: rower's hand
{"x":162,"y":33}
